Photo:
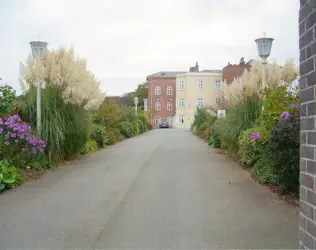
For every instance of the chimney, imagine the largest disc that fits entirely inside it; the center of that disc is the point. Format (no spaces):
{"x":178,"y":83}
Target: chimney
{"x":197,"y":67}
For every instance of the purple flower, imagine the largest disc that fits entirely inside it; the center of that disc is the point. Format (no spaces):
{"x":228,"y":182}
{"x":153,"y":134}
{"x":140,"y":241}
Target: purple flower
{"x":23,"y":149}
{"x":1,"y":130}
{"x":285,"y":115}
{"x":6,"y":143}
{"x":21,"y":136}
{"x":7,"y":136}
{"x":13,"y":135}
{"x":255,"y":136}
{"x":295,"y":106}
{"x":16,"y":141}
{"x":34,"y":150}
{"x":1,"y":121}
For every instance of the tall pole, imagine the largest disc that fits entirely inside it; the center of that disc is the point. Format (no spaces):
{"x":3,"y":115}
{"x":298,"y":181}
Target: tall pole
{"x":38,"y":108}
{"x":38,"y":48}
{"x":136,"y":109}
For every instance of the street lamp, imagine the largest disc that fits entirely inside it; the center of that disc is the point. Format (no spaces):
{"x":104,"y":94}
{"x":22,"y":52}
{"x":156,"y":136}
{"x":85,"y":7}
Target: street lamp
{"x":136,"y":102}
{"x":264,"y":45}
{"x":38,"y":48}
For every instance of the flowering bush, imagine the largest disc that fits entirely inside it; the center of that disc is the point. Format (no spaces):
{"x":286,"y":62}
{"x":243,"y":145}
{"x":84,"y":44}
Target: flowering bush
{"x":251,"y":144}
{"x":284,"y":146}
{"x":17,"y":141}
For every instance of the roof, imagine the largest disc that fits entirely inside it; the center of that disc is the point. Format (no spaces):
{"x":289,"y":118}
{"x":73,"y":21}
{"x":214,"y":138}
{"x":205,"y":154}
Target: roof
{"x":165,"y":74}
{"x":211,"y":71}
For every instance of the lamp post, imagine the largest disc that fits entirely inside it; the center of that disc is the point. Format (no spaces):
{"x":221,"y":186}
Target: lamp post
{"x":264,"y":45}
{"x":38,"y":48}
{"x":136,"y":102}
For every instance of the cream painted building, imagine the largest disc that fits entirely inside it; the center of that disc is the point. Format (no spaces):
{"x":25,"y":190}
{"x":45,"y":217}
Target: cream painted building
{"x":196,"y":89}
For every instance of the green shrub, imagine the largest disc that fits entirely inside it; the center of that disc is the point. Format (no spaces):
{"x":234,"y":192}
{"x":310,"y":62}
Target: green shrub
{"x":7,"y":96}
{"x":7,"y":175}
{"x":195,"y":130}
{"x":144,"y":121}
{"x":263,"y":170}
{"x":284,"y":145}
{"x":126,"y":129}
{"x":90,"y":147}
{"x":141,"y":126}
{"x":275,"y":102}
{"x":249,"y":150}
{"x":135,"y":129}
{"x":204,"y":131}
{"x":113,"y":135}
{"x":99,"y":135}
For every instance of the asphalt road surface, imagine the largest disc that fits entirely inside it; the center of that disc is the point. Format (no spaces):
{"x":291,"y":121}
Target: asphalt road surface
{"x":163,"y":189}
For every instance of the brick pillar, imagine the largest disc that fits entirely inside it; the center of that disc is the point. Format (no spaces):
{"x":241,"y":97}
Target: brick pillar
{"x":307,"y":44}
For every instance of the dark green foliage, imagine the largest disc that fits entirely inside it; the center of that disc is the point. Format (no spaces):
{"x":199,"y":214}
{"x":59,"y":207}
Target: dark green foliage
{"x":262,"y":169}
{"x":285,"y":150}
{"x":126,"y":128}
{"x":99,"y":135}
{"x":7,"y":96}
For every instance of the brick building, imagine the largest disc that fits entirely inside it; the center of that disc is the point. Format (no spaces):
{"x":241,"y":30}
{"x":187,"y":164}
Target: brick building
{"x":161,"y":102}
{"x":232,"y":71}
{"x":307,"y":81}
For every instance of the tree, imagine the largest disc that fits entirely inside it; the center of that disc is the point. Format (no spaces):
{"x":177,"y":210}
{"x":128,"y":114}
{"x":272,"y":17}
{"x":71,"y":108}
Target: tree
{"x":141,"y":92}
{"x":7,"y":96}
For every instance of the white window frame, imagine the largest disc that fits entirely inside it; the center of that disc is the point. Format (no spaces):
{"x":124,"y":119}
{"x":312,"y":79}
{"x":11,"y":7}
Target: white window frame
{"x":239,"y":79}
{"x":169,"y":90}
{"x":200,"y":84}
{"x":145,"y":105}
{"x":157,"y":119}
{"x":157,"y":90}
{"x":200,"y":102}
{"x":157,"y":104}
{"x":218,"y":84}
{"x":181,"y":119}
{"x":181,"y":103}
{"x":181,"y":85}
{"x":169,"y":106}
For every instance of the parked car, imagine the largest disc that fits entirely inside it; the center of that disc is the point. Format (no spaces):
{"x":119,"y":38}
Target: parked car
{"x":164,"y":124}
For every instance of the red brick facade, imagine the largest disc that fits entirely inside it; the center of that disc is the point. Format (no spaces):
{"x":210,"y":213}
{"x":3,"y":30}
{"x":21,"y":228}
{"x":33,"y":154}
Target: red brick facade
{"x":232,"y":71}
{"x":163,"y":98}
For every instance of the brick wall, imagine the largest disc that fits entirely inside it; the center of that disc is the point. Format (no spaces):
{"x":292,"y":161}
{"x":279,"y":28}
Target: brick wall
{"x":307,"y":33}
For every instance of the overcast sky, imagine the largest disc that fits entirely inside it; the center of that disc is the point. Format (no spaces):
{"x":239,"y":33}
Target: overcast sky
{"x":126,"y":40}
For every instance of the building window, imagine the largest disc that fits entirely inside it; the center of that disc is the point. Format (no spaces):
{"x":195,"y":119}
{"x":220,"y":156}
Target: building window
{"x":200,"y":102}
{"x":158,"y":91}
{"x":218,"y":84}
{"x":181,"y":119}
{"x":145,"y":104}
{"x":157,"y":120}
{"x":218,"y":100}
{"x":238,"y":79}
{"x":181,"y":103}
{"x":181,"y":85}
{"x":169,"y":90}
{"x":169,"y":106}
{"x":200,"y":84}
{"x":157,"y":105}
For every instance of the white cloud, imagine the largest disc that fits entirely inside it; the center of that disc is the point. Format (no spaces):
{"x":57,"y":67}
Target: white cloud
{"x":127,"y":40}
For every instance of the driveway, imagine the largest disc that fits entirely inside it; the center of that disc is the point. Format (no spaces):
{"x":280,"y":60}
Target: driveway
{"x":163,"y":189}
